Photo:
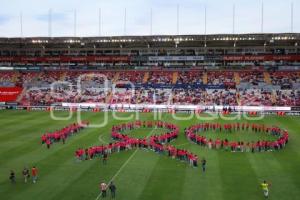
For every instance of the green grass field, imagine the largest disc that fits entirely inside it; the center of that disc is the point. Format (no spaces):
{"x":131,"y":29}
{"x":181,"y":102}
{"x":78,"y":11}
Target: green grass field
{"x":139,"y":174}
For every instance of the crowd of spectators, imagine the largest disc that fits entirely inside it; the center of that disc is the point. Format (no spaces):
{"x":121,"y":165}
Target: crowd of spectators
{"x":255,"y":97}
{"x":285,"y":80}
{"x":156,"y":87}
{"x":251,"y":77}
{"x":220,"y":77}
{"x":134,"y":77}
{"x":288,"y":97}
{"x":160,"y":77}
{"x":190,"y":77}
{"x":7,"y":79}
{"x":141,"y":96}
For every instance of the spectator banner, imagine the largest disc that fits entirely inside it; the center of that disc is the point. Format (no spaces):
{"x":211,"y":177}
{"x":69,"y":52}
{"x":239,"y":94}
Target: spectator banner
{"x":213,"y":58}
{"x":295,"y":108}
{"x":230,"y":84}
{"x":214,"y":87}
{"x":175,"y":58}
{"x":111,"y":59}
{"x":139,"y":58}
{"x":178,"y":107}
{"x":263,"y":58}
{"x":181,"y":86}
{"x":289,"y":68}
{"x":66,"y":59}
{"x":9,"y":94}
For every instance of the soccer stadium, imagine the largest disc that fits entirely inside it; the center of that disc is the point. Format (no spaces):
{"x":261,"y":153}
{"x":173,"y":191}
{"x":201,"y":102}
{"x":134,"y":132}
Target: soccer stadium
{"x":209,"y":116}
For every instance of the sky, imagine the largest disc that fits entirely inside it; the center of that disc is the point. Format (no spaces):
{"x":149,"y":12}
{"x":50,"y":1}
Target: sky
{"x":219,"y":17}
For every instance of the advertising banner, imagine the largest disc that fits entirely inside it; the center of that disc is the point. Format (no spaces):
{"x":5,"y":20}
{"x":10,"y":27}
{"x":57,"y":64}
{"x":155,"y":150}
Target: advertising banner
{"x":262,"y":58}
{"x":9,"y":94}
{"x":65,"y":59}
{"x":176,"y":58}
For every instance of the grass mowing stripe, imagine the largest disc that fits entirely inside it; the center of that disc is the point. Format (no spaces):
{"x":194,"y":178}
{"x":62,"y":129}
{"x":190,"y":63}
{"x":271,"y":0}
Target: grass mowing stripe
{"x":11,"y":120}
{"x":12,"y":130}
{"x":166,"y":179}
{"x":61,"y":178}
{"x":167,"y":174}
{"x":32,"y":132}
{"x":194,"y":184}
{"x":124,"y":165}
{"x":107,"y":127}
{"x":287,"y":160}
{"x":65,"y":180}
{"x":28,"y":146}
{"x":39,"y":155}
{"x":91,"y":177}
{"x":265,"y":167}
{"x":133,"y":180}
{"x":35,"y":146}
{"x":237,"y":165}
{"x":64,"y":151}
{"x":197,"y":184}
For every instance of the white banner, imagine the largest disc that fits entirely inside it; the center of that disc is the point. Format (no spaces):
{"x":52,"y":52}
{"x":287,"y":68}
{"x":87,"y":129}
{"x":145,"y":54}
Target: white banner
{"x":179,"y":107}
{"x":175,"y":58}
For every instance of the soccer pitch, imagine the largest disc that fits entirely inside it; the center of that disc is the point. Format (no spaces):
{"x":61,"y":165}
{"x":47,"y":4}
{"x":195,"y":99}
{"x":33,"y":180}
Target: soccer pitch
{"x":140,"y":174}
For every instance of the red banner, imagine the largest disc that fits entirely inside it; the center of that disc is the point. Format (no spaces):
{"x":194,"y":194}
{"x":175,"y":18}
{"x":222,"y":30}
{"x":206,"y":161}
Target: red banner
{"x":262,"y":58}
{"x":229,"y":84}
{"x":66,"y":59}
{"x":126,"y":59}
{"x":9,"y":94}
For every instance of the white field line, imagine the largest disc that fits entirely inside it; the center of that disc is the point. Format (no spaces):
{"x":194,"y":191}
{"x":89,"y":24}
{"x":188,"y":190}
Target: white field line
{"x":183,"y":144}
{"x":101,"y":140}
{"x":124,"y":165}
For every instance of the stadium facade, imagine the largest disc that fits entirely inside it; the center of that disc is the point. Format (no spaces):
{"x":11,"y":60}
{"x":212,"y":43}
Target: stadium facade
{"x":168,"y":51}
{"x":250,"y":72}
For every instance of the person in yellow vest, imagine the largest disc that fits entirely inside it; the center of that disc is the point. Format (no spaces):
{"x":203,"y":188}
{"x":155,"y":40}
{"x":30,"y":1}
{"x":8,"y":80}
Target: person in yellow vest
{"x":265,"y":188}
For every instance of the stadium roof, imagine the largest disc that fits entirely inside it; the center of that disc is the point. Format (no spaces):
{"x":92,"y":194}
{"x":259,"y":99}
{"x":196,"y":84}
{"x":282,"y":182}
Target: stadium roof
{"x":285,"y":39}
{"x":158,"y":38}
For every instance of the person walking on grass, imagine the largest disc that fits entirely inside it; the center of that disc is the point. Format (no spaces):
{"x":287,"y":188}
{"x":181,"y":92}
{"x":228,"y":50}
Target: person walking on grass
{"x":203,"y":164}
{"x":25,"y":174}
{"x":112,"y":189}
{"x":34,"y":174}
{"x":12,"y":177}
{"x":103,"y":188}
{"x":265,"y":188}
{"x":104,"y":159}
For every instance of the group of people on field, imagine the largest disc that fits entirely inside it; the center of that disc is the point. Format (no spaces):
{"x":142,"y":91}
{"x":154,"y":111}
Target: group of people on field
{"x":257,"y":146}
{"x":112,"y":188}
{"x":156,"y":143}
{"x":62,"y":134}
{"x":26,"y":175}
{"x":159,"y":144}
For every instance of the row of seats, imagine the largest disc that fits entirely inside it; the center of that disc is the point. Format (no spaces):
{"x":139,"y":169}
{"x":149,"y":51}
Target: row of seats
{"x":230,"y":97}
{"x":79,"y":86}
{"x":285,"y":80}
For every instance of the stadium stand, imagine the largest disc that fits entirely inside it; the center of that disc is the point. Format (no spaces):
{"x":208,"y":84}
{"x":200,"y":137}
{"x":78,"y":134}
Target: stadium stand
{"x":198,"y":70}
{"x":159,"y":89}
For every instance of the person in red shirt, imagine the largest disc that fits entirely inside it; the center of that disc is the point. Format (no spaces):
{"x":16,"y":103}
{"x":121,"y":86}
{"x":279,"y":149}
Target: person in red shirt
{"x":44,"y":139}
{"x":48,"y":143}
{"x":34,"y":174}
